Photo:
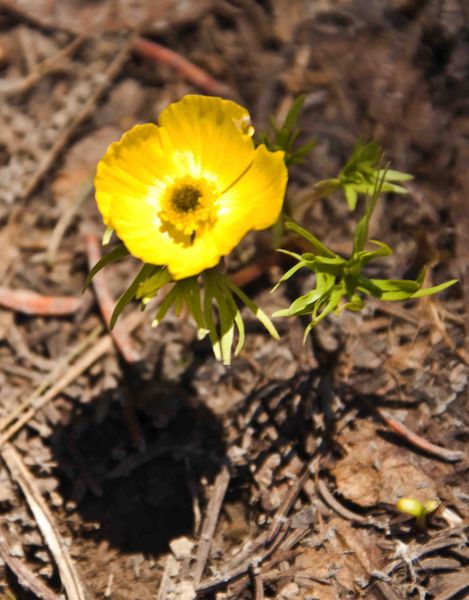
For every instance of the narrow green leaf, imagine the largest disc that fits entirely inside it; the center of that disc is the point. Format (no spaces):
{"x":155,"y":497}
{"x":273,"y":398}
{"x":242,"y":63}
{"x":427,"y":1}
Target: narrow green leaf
{"x":194,"y":304}
{"x":334,"y":299}
{"x":116,"y":254}
{"x":360,"y":236}
{"x":208,"y":313}
{"x":326,"y":187}
{"x":294,"y":113}
{"x":258,"y":312}
{"x":226,"y":328}
{"x":395,"y":175}
{"x":299,"y":265}
{"x":365,"y":256}
{"x":238,"y":319}
{"x":351,"y":197}
{"x":150,"y":287}
{"x":320,"y":248}
{"x":394,"y":188}
{"x":289,"y":253}
{"x":298,"y":156}
{"x":284,"y":312}
{"x":166,"y":304}
{"x":434,"y":289}
{"x":130,"y":292}
{"x":303,"y":301}
{"x":227,"y":324}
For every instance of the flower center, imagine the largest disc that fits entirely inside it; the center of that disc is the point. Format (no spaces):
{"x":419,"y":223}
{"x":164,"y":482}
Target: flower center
{"x":185,"y":198}
{"x":187,"y":208}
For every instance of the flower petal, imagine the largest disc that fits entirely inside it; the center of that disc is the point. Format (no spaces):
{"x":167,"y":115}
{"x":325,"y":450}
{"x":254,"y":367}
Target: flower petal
{"x":132,"y":167}
{"x":253,"y":202}
{"x":210,"y":136}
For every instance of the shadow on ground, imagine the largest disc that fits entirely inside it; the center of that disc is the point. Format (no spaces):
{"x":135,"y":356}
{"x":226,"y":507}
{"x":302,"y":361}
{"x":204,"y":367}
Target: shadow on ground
{"x":137,"y":499}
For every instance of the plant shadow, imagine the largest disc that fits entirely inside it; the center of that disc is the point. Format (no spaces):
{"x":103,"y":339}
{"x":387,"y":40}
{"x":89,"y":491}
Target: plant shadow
{"x":137,"y":499}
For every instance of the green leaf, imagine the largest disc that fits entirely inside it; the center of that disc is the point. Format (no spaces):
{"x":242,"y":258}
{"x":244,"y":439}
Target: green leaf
{"x":115,"y":254}
{"x":303,"y":302}
{"x":365,"y":256}
{"x":360,"y":236}
{"x":208,"y":314}
{"x":299,"y":265}
{"x":226,"y":324}
{"x":334,"y":299}
{"x":258,"y":312}
{"x":294,"y":113}
{"x":149,"y":288}
{"x":320,"y":248}
{"x":289,"y":253}
{"x":394,"y":175}
{"x":238,"y":319}
{"x":389,"y":289}
{"x":351,"y":196}
{"x":395,"y":189}
{"x":326,"y":187}
{"x":145,"y":272}
{"x":434,"y":289}
{"x":194,"y":304}
{"x":298,"y":156}
{"x":166,"y":304}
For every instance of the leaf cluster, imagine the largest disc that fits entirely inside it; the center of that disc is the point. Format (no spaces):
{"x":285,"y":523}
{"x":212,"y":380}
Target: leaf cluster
{"x":285,"y":135}
{"x":212,"y":306}
{"x":361,"y":174}
{"x":340,"y":283}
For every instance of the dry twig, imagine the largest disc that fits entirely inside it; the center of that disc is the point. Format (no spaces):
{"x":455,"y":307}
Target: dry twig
{"x":208,"y":529}
{"x":185,"y":68}
{"x":103,"y":346}
{"x":88,"y":107}
{"x":335,"y":505}
{"x":26,"y":577}
{"x":208,"y":585}
{"x":45,"y":522}
{"x":258,"y":583}
{"x":8,"y":88}
{"x":290,"y":499}
{"x":165,"y":579}
{"x":455,"y":590}
{"x":31,"y":303}
{"x":417,"y":440}
{"x":49,"y":379}
{"x":66,"y":219}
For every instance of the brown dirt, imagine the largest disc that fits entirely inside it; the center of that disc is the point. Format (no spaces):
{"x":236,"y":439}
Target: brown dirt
{"x":129,"y":458}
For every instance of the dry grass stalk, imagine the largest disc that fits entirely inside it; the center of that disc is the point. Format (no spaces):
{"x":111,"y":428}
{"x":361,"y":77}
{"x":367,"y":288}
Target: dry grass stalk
{"x":45,"y":522}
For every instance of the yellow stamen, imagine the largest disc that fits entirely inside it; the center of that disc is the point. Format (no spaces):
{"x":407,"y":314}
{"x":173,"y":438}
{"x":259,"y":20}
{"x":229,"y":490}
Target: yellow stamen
{"x":188,"y":205}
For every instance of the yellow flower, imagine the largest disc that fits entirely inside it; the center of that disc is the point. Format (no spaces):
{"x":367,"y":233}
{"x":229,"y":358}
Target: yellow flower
{"x":183,"y":193}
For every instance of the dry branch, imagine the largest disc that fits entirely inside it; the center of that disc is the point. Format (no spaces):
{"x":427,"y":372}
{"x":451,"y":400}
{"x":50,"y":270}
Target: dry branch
{"x":336,"y":505}
{"x":418,"y":441}
{"x":185,"y":68}
{"x":31,"y":303}
{"x":26,"y":578}
{"x":45,"y":522}
{"x":211,"y":520}
{"x":8,"y":88}
{"x":103,"y":346}
{"x":64,"y":137}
